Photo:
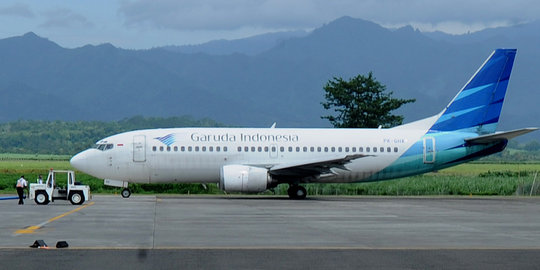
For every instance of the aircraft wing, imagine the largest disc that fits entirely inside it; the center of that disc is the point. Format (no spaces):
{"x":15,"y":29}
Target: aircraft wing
{"x":313,"y":167}
{"x":498,"y":136}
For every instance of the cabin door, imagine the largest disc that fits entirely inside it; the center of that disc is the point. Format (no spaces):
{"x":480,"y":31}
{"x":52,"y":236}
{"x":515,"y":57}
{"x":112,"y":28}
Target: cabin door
{"x":139,"y":148}
{"x":429,"y":150}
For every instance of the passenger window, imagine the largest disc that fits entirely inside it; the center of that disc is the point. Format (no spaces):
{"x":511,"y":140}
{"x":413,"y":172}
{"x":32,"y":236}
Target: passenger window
{"x":182,"y":148}
{"x":266,"y":149}
{"x":218,"y":149}
{"x":168,"y":149}
{"x":367,"y":149}
{"x":224,"y":148}
{"x":246,"y":149}
{"x":176,"y":149}
{"x":347,"y":149}
{"x":259,"y":149}
{"x":312,"y":149}
{"x":381,"y":149}
{"x":340,"y":149}
{"x":297,"y":149}
{"x":395,"y":149}
{"x":161,"y":148}
{"x":319,"y":149}
{"x":203,"y":148}
{"x":374,"y":149}
{"x":239,"y":148}
{"x":388,"y":149}
{"x":190,"y":148}
{"x":282,"y":149}
{"x":333,"y":149}
{"x":211,"y":149}
{"x":154,"y":148}
{"x":354,"y":149}
{"x":196,"y":149}
{"x":253,"y":149}
{"x":325,"y":149}
{"x":361,"y":149}
{"x":290,"y":148}
{"x":305,"y":149}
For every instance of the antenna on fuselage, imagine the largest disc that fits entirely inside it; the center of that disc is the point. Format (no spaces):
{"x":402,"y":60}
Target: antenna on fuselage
{"x":273,"y":125}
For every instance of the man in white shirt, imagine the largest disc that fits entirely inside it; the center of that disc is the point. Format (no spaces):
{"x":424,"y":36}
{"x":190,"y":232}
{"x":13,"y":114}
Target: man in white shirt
{"x":21,"y":185}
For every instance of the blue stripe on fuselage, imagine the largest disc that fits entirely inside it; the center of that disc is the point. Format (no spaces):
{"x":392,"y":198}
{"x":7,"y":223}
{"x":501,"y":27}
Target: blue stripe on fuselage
{"x":450,"y":149}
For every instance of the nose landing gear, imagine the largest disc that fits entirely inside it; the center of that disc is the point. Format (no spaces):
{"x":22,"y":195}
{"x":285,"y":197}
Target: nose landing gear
{"x":126,"y":193}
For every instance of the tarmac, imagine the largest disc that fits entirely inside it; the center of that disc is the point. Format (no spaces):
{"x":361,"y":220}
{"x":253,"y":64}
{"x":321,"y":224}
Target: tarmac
{"x":266,"y":232}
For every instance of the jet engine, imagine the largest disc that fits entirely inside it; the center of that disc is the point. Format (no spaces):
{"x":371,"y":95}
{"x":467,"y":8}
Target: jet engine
{"x":241,"y":178}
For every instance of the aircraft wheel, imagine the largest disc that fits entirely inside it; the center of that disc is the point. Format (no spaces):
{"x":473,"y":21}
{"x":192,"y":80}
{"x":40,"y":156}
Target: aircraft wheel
{"x":126,"y":192}
{"x":41,"y":197}
{"x":297,"y":192}
{"x":76,"y":198}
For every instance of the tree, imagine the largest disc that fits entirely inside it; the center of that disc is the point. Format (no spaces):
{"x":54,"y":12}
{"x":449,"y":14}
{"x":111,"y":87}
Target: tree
{"x":361,"y":102}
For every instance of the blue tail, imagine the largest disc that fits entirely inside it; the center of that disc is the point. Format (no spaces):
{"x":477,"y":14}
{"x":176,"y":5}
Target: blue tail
{"x":477,"y":107}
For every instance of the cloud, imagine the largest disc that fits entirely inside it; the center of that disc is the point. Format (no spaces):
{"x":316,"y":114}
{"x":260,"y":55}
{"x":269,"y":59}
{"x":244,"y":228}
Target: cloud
{"x":64,"y":18}
{"x":17,"y":10}
{"x":212,"y":15}
{"x":219,"y":15}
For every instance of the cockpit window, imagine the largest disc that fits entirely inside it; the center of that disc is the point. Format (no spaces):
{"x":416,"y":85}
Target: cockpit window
{"x":104,"y":146}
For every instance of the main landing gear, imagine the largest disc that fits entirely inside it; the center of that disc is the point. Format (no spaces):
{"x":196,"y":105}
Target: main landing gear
{"x":297,"y":192}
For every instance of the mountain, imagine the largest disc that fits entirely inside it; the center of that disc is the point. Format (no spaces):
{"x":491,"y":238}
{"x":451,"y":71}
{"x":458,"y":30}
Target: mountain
{"x":248,"y":46}
{"x":282,"y":83}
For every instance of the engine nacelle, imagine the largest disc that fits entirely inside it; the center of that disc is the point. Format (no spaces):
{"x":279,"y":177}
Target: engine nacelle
{"x":241,"y":178}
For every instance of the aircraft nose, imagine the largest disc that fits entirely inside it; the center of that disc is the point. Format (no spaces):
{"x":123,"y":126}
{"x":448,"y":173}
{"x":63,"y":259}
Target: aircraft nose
{"x":80,"y":161}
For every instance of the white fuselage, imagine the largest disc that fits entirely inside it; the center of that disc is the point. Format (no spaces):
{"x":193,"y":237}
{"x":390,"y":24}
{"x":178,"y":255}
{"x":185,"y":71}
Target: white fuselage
{"x":191,"y":155}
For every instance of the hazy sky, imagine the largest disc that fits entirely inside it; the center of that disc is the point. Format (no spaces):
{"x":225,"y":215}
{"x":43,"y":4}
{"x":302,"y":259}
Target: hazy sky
{"x":139,"y":24}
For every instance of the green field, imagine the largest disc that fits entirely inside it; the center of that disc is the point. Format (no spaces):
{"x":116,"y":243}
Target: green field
{"x":467,"y":179}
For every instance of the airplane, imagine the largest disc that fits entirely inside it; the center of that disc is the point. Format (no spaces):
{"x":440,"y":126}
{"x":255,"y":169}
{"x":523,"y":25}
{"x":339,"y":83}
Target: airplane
{"x":251,"y":160}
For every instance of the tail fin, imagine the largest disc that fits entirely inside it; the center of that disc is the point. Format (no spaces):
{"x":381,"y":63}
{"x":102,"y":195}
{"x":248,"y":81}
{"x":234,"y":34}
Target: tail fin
{"x":476,"y":108}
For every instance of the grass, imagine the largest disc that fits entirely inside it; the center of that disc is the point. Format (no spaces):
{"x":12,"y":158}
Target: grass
{"x":467,"y":179}
{"x":26,"y":157}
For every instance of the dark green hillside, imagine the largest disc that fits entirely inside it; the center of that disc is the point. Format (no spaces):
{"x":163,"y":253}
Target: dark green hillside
{"x":68,"y":138}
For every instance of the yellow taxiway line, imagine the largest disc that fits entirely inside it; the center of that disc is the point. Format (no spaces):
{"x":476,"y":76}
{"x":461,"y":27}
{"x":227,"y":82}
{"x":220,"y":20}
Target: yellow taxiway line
{"x":32,"y":229}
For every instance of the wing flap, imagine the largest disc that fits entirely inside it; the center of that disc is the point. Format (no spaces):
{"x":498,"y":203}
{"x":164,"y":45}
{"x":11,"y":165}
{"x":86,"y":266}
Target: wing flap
{"x":498,"y":136}
{"x":314,"y":167}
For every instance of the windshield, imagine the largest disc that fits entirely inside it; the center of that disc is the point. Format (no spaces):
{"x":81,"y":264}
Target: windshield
{"x":103,"y":146}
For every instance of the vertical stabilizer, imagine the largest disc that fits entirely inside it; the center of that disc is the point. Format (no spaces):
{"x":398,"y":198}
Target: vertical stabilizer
{"x":477,"y":107}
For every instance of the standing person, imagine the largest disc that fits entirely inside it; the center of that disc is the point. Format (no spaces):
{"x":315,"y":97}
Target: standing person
{"x":21,"y":184}
{"x":40,"y":179}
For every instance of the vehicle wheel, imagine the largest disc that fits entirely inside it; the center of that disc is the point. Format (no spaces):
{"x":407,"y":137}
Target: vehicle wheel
{"x":76,"y":198}
{"x":126,"y":192}
{"x":41,"y":197}
{"x":297,"y":192}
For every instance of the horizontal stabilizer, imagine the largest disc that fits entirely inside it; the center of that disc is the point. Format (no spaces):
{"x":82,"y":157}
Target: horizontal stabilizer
{"x":498,"y":136}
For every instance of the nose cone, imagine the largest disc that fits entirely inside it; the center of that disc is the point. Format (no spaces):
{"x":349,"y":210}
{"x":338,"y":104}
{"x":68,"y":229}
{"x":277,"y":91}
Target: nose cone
{"x":82,"y":162}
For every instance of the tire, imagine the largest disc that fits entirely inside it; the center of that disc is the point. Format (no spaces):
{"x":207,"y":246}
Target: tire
{"x":126,"y":193}
{"x":297,"y":192}
{"x":41,"y":198}
{"x":301,"y":193}
{"x":76,"y":198}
